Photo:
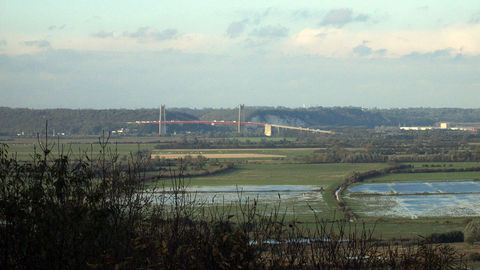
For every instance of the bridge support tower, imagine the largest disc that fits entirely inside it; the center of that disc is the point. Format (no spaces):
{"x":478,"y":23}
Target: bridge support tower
{"x":241,"y":114}
{"x":162,"y":127}
{"x":268,"y":130}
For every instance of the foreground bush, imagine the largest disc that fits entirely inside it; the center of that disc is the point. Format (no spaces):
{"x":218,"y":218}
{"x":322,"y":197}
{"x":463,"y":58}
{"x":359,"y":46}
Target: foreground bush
{"x":448,"y":237}
{"x":472,"y":231}
{"x":87,"y":213}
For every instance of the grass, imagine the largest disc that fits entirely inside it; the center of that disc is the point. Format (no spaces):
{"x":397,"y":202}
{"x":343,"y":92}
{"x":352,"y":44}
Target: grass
{"x":420,"y":165}
{"x":25,"y":148}
{"x":287,"y":171}
{"x":284,"y":174}
{"x":425,"y":176}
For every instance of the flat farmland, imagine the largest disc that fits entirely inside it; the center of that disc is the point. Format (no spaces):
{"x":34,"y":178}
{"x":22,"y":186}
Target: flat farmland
{"x":426,"y":176}
{"x":25,"y":150}
{"x":321,"y":179}
{"x":236,"y":153}
{"x":285,"y":174}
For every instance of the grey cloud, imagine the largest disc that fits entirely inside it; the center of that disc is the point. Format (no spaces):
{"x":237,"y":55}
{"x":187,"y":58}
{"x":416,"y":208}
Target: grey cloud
{"x":3,"y":42}
{"x":259,"y":17}
{"x":236,"y":28}
{"x":250,"y":43}
{"x":475,"y":18}
{"x":133,"y":80}
{"x":423,"y":8}
{"x":55,"y":27}
{"x":270,"y":31}
{"x":361,"y":18}
{"x":444,"y":53}
{"x":302,"y":14}
{"x":340,"y":17}
{"x":37,"y":43}
{"x":380,"y":52}
{"x":148,"y":32}
{"x":103,"y":34}
{"x":362,"y":50}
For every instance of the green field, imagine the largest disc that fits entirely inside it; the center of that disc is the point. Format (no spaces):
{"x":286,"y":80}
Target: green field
{"x":24,"y":148}
{"x":285,"y":174}
{"x":288,"y":170}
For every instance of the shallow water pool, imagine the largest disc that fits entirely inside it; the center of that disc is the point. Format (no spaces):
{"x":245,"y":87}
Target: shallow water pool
{"x":452,"y":199}
{"x":292,"y":198}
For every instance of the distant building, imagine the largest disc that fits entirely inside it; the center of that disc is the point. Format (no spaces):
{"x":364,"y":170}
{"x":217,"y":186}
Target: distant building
{"x":416,"y":128}
{"x":443,"y":126}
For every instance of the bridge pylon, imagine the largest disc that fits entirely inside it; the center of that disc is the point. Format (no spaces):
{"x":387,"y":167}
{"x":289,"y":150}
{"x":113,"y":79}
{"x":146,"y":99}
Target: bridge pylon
{"x":162,"y":127}
{"x":241,"y":114}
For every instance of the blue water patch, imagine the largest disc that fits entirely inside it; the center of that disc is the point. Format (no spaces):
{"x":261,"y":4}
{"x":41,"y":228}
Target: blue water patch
{"x":255,"y":189}
{"x":410,"y":188}
{"x":372,"y":188}
{"x":413,"y":206}
{"x":297,"y":199}
{"x":418,"y":187}
{"x":457,"y":187}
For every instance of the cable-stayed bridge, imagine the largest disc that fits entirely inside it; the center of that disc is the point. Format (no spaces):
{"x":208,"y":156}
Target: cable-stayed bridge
{"x":162,"y":123}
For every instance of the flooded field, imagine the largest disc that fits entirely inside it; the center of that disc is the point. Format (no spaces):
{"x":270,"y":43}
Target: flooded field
{"x":293,"y":199}
{"x":415,"y":188}
{"x":412,"y":200}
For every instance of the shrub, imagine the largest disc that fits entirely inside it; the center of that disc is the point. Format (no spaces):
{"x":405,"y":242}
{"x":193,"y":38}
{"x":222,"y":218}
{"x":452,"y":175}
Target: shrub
{"x":472,"y":231}
{"x":474,"y":257}
{"x":60,"y":213}
{"x":448,"y":237}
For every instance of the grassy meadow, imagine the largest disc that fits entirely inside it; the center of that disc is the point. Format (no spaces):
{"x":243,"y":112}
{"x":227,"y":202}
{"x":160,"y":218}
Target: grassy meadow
{"x":286,"y":170}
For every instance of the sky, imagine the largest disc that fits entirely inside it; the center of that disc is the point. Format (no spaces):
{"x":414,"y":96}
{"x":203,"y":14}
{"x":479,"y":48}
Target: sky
{"x":198,"y":54}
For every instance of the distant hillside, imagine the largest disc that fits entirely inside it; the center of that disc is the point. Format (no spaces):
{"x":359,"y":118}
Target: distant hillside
{"x":81,"y":122}
{"x":85,"y":122}
{"x":352,"y":116}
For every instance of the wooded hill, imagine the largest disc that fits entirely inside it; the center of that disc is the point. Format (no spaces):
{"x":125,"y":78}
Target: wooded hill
{"x":92,"y":122}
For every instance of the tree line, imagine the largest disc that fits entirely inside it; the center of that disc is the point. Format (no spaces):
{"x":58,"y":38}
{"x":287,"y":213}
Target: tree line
{"x":89,"y":121}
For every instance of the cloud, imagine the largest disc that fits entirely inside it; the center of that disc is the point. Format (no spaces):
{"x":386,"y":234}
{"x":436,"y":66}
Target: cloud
{"x":380,"y":52}
{"x":423,"y":8}
{"x":251,"y":43}
{"x":444,"y":53}
{"x":302,"y":14}
{"x":103,"y":34}
{"x":340,"y":17}
{"x":475,"y":18}
{"x":338,"y":42}
{"x":259,"y":17}
{"x":3,"y":42}
{"x":37,"y":43}
{"x":55,"y":27}
{"x":236,"y":28}
{"x":145,"y":33}
{"x":270,"y":31}
{"x":135,"y":80}
{"x":362,"y":50}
